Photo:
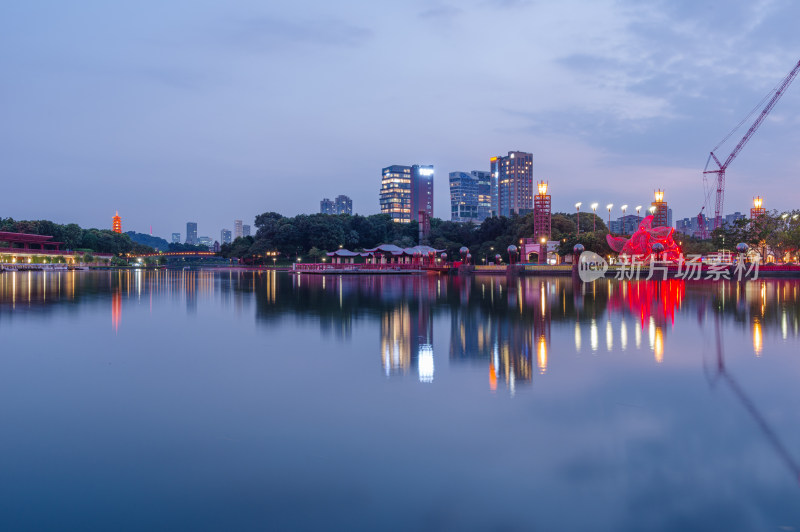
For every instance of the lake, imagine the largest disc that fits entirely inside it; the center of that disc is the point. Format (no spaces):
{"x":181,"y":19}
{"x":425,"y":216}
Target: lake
{"x":210,"y":400}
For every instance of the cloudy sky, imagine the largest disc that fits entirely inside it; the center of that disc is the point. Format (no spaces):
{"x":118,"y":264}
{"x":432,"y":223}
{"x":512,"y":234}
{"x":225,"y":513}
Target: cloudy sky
{"x":210,"y":111}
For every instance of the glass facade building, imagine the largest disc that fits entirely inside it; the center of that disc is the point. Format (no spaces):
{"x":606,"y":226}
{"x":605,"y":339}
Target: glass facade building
{"x":406,"y":191}
{"x":512,"y":183}
{"x":470,"y":196}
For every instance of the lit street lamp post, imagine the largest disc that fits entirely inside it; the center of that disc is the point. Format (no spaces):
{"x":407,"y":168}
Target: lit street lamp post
{"x":578,"y":216}
{"x":624,"y":208}
{"x":594,"y":218}
{"x":609,"y":206}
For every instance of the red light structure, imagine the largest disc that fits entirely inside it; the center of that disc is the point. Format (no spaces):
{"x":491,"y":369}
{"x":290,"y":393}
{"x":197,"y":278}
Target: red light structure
{"x":757,"y":209}
{"x":116,"y":223}
{"x":641,"y":242}
{"x":660,"y":217}
{"x":777,"y":92}
{"x":541,"y":218}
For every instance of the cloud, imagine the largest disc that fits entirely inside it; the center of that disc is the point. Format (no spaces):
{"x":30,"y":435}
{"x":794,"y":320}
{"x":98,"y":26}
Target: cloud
{"x":443,"y":11}
{"x":274,"y":34}
{"x":508,"y":4}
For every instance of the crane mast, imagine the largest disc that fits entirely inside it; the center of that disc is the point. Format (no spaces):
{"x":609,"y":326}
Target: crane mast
{"x":719,"y":171}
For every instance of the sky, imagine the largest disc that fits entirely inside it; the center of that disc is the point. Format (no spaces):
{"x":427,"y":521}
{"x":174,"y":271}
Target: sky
{"x":204,"y":111}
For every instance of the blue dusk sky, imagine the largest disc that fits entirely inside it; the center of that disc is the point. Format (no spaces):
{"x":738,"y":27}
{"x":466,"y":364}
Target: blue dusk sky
{"x":210,"y":111}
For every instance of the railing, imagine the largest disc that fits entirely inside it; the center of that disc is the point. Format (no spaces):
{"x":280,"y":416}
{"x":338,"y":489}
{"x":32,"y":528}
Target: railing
{"x":309,"y":266}
{"x":21,"y":251}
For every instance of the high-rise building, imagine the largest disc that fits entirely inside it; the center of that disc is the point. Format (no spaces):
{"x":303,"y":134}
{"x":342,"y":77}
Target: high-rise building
{"x":344,"y":205}
{"x":245,"y":230}
{"x":327,"y":206}
{"x":225,"y":236}
{"x":406,"y":191}
{"x":512,"y":183}
{"x":191,"y":233}
{"x":205,"y":241}
{"x":176,"y":238}
{"x":116,"y":223}
{"x":470,"y":196}
{"x":237,"y":229}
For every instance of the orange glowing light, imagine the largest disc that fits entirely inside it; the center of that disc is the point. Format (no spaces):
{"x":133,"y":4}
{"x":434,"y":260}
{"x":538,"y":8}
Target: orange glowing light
{"x":492,"y":378}
{"x":758,"y":339}
{"x":541,"y":354}
{"x":658,"y":345}
{"x":659,"y":195}
{"x":542,"y":187}
{"x":757,"y":202}
{"x":116,"y":224}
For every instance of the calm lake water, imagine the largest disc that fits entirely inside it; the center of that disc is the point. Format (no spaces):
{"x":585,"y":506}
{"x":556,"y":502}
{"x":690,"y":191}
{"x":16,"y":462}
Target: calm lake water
{"x":167,"y":400}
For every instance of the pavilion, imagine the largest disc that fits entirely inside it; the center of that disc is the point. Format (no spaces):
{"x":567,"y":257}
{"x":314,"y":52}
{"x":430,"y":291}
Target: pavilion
{"x":388,"y":254}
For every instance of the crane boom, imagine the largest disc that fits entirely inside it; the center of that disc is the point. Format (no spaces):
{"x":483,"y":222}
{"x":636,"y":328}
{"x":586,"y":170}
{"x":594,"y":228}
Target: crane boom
{"x":721,"y":167}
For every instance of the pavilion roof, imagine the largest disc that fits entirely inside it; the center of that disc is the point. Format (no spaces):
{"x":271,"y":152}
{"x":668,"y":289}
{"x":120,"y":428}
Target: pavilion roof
{"x":343,"y":253}
{"x":395,"y":250}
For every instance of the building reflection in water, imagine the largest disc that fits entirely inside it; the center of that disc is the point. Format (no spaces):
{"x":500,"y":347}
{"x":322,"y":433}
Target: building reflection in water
{"x":502,"y":325}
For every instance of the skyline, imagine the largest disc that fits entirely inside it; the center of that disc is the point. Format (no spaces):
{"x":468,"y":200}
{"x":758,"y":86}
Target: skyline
{"x":164,"y":112}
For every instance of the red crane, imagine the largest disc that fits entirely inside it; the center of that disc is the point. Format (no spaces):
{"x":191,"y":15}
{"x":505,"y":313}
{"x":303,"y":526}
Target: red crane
{"x":771,"y":98}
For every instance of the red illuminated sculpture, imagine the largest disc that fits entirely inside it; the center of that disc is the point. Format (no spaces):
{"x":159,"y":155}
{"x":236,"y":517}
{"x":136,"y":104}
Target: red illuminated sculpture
{"x":642,"y":240}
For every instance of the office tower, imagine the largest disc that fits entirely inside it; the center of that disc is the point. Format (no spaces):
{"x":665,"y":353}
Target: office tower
{"x":512,"y":183}
{"x":116,"y":223}
{"x":344,"y":205}
{"x":470,"y":196}
{"x":406,"y":191}
{"x":245,"y":230}
{"x":176,"y":238}
{"x":237,"y":229}
{"x":191,"y":233}
{"x":327,"y":206}
{"x":225,"y":236}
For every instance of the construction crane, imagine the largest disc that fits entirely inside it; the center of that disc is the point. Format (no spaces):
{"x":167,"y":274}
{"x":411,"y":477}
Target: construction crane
{"x":771,"y":98}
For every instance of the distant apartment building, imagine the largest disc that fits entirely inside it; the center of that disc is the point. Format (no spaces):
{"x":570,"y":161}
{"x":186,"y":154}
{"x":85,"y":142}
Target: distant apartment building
{"x":406,"y":191}
{"x":341,"y":205}
{"x":225,"y":236}
{"x":470,"y":196}
{"x":512,"y":183}
{"x":205,"y":241}
{"x":237,"y":229}
{"x":176,"y":238}
{"x":245,"y":230}
{"x":691,"y":226}
{"x":626,"y":225}
{"x":191,"y":233}
{"x":344,"y":205}
{"x":327,"y":206}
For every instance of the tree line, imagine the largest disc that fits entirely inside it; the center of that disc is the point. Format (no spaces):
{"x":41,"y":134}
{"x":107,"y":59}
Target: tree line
{"x":309,"y":236}
{"x":76,"y":238}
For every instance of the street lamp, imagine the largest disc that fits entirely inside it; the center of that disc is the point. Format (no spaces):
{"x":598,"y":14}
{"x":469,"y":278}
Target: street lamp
{"x":609,"y":206}
{"x":638,"y":207}
{"x":624,"y":208}
{"x":652,"y":209}
{"x":594,"y":218}
{"x":578,"y":216}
